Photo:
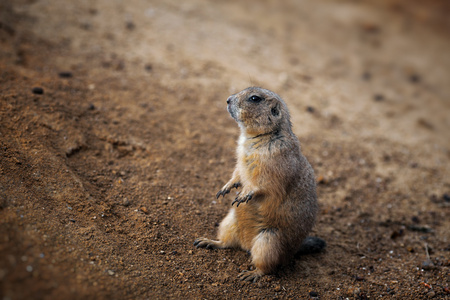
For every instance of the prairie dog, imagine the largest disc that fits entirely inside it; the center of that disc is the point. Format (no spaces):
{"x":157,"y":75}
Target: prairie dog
{"x":277,"y":205}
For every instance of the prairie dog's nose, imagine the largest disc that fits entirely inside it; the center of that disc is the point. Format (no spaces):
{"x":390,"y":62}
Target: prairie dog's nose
{"x":228,"y":100}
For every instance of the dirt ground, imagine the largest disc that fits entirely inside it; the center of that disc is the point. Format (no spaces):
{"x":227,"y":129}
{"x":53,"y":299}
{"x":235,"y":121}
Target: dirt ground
{"x":114,"y":139}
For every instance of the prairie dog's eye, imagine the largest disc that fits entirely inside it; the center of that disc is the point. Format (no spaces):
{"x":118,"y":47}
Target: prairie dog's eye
{"x":255,"y":99}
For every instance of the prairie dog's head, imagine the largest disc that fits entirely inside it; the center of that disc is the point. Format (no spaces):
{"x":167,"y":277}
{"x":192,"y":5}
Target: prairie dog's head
{"x":258,"y":111}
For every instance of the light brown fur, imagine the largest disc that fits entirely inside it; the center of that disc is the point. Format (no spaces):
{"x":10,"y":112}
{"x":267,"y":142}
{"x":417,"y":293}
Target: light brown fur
{"x":276,"y":207}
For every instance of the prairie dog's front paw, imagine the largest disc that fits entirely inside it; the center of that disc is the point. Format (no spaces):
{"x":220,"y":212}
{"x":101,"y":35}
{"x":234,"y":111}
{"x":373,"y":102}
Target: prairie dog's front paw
{"x":227,"y":188}
{"x":243,"y":197}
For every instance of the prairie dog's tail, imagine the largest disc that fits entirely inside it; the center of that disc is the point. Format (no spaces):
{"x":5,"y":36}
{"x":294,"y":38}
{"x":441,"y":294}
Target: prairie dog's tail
{"x":311,"y":245}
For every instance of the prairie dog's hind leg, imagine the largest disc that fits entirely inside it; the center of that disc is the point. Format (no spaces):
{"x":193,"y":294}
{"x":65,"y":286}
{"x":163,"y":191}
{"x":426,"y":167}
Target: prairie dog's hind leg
{"x":227,"y":235}
{"x":228,"y":230}
{"x":266,"y":255}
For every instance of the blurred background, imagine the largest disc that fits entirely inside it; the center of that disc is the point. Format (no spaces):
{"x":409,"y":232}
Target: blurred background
{"x":115,"y":138}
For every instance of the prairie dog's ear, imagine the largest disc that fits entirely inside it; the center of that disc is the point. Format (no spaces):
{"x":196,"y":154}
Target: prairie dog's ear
{"x":275,"y":111}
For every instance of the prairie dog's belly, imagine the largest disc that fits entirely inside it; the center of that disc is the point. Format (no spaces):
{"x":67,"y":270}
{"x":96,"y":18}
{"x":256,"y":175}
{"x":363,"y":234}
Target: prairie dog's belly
{"x":251,"y":166}
{"x":249,"y":222}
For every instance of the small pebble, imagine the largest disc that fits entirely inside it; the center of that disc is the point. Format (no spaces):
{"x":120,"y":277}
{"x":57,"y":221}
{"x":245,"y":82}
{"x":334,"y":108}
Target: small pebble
{"x":396,"y":234}
{"x":425,"y":123}
{"x":366,"y":76}
{"x":423,"y":229}
{"x":322,"y":180}
{"x":313,"y":294}
{"x":91,"y":106}
{"x":428,"y":265}
{"x":86,"y":26}
{"x":65,"y":74}
{"x":148,"y":67}
{"x":277,"y":288}
{"x":378,"y":97}
{"x":414,"y":78}
{"x":310,"y":109}
{"x":370,"y":28}
{"x":38,"y":90}
{"x":130,"y":25}
{"x":125,"y":202}
{"x":111,"y":272}
{"x":353,"y":291}
{"x":427,"y":285}
{"x":144,"y":209}
{"x":413,"y":165}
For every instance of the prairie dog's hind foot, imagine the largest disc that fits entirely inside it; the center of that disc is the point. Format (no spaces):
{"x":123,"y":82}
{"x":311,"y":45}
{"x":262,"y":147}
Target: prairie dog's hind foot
{"x":252,"y":276}
{"x":208,"y":244}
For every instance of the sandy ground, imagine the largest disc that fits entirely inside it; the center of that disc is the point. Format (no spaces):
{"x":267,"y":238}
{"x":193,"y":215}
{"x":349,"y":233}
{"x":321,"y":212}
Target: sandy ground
{"x":114,"y":139}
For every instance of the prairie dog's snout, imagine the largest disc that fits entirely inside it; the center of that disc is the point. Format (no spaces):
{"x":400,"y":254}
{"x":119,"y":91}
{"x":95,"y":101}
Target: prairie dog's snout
{"x":231,"y":107}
